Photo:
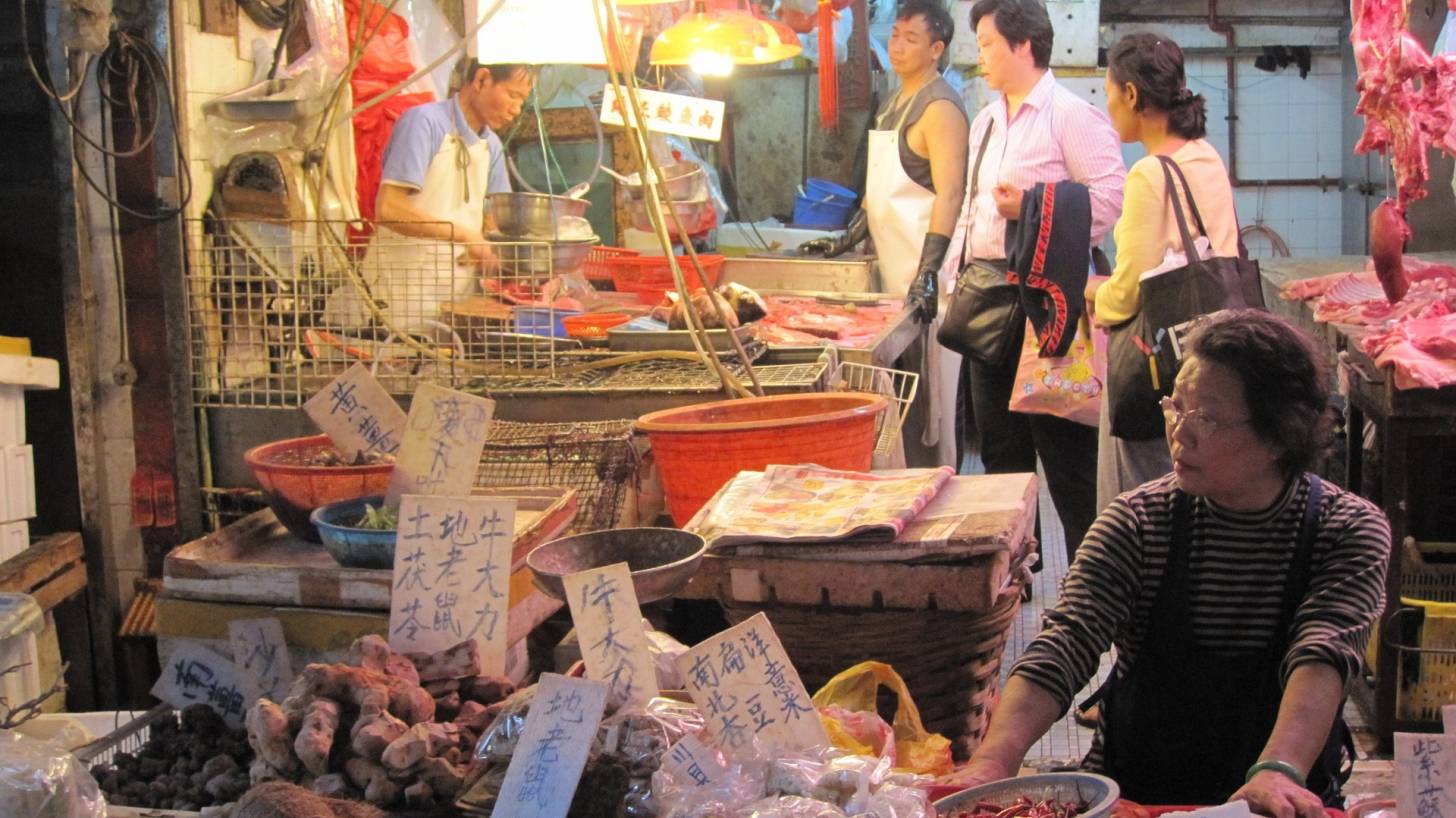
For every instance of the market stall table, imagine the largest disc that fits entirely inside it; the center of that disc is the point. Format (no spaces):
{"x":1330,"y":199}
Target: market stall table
{"x":254,"y":568}
{"x":936,"y":603}
{"x":1410,"y":426}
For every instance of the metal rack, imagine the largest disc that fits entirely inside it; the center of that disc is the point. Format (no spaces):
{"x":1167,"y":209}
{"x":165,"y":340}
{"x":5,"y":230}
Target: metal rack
{"x":898,"y":386}
{"x":274,"y":307}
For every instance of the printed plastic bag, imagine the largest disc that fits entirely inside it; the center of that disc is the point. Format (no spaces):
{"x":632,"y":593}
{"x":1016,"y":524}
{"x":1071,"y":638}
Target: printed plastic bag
{"x":915,"y":749}
{"x":1069,"y":386}
{"x":38,"y":779}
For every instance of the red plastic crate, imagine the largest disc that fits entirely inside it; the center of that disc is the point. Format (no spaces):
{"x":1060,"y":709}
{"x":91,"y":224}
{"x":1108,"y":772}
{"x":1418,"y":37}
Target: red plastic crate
{"x":598,"y":262}
{"x":650,"y":277}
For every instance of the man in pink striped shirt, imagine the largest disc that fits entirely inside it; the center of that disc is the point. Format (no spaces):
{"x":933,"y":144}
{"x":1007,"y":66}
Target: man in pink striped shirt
{"x":1035,"y":131}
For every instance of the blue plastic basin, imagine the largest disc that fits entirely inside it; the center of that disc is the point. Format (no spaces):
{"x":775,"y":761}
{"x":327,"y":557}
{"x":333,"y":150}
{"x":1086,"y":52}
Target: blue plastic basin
{"x":354,"y":547}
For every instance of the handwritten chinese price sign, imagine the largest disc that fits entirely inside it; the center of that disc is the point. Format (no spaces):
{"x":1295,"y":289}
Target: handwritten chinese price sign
{"x":552,"y":752}
{"x":196,"y":675}
{"x":609,"y":627}
{"x":261,"y":653}
{"x":443,"y":439}
{"x":746,"y":687}
{"x":692,"y":760}
{"x":668,"y":113}
{"x":358,"y":415}
{"x":1425,"y":775}
{"x":452,"y":569}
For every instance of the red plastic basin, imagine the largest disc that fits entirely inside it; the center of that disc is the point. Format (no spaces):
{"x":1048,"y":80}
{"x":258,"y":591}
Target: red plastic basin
{"x":700,"y":448}
{"x":294,"y":488}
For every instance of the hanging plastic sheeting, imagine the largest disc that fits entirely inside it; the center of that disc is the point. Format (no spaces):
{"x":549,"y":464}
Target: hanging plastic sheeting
{"x":282,"y":116}
{"x":389,"y":59}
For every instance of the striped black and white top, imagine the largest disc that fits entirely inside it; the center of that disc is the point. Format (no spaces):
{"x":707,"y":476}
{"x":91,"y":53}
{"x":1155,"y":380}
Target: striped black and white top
{"x":1238,"y":563}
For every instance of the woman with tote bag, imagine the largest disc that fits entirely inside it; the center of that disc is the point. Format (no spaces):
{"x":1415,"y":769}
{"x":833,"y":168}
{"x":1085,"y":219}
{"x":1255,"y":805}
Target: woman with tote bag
{"x":1149,"y":102}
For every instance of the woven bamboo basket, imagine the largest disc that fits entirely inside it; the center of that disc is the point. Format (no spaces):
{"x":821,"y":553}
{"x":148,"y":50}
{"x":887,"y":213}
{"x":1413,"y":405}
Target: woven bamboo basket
{"x":950,"y":661}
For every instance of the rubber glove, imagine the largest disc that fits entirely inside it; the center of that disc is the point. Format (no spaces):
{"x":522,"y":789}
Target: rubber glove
{"x":924,"y":290}
{"x":831,"y":246}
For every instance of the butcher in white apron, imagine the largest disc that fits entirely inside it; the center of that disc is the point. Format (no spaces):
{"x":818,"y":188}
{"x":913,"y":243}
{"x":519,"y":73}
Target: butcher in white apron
{"x":442,"y":161}
{"x":913,"y":188}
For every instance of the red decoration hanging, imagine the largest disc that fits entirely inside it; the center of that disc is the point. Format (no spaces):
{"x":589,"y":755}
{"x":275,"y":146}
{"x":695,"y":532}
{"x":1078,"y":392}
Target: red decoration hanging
{"x":828,"y":68}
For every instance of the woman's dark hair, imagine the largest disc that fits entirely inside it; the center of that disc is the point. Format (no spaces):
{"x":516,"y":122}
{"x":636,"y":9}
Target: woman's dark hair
{"x":1154,"y":65}
{"x":1019,"y":21}
{"x":1286,"y":380}
{"x":937,"y":20}
{"x":469,"y":68}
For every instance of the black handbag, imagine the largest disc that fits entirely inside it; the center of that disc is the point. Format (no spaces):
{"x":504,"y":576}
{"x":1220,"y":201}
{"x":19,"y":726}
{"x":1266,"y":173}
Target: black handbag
{"x":983,"y":319}
{"x":1145,"y":352}
{"x":984,"y":316}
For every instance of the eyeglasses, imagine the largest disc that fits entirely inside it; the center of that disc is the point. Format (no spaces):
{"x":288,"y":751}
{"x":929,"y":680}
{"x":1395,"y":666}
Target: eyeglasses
{"x":1199,"y":425}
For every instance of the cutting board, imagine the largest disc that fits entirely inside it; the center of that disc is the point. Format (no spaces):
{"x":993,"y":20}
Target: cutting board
{"x":256,"y":561}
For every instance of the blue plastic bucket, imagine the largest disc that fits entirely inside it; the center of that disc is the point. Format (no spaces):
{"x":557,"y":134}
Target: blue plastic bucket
{"x":832,"y":214}
{"x":824,"y":190}
{"x":542,"y":321}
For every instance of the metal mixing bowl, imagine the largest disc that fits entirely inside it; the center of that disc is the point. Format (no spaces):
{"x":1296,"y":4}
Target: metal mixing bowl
{"x":1098,"y":791}
{"x":662,"y":560}
{"x":533,"y":214}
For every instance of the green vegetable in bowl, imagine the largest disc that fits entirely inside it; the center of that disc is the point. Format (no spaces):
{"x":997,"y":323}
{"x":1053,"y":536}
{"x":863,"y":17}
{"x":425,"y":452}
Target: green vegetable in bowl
{"x":378,"y":519}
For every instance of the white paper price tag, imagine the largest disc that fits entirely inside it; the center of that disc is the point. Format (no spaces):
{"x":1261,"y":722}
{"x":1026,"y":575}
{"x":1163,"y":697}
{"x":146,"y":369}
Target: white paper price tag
{"x":552,"y":752}
{"x":746,"y":686}
{"x":443,"y":439}
{"x":358,"y":415}
{"x":452,"y":569}
{"x":609,"y":627}
{"x":196,"y":675}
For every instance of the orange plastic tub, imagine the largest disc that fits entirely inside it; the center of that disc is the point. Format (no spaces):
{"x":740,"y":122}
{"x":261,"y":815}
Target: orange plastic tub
{"x":294,"y":487}
{"x":700,"y":448}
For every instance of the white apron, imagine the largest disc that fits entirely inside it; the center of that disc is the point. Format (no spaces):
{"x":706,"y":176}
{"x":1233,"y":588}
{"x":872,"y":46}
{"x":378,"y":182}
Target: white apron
{"x":898,"y":209}
{"x":415,"y":276}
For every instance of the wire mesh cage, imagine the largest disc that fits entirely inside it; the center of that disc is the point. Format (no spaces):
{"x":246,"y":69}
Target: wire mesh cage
{"x":602,"y":461}
{"x":278,"y":308}
{"x":896,"y":385}
{"x":222,"y":506}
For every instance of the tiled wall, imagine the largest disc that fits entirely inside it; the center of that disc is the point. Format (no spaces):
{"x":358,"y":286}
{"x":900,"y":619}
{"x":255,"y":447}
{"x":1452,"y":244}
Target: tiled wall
{"x":1288,"y":127}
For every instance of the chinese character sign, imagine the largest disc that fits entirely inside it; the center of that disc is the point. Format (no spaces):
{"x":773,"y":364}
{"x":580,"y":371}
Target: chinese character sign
{"x":452,"y":570}
{"x":261,"y":653}
{"x":609,"y":626}
{"x":1425,"y":775}
{"x":553,"y":748}
{"x":195,"y":675}
{"x":443,"y":439}
{"x":668,"y":113}
{"x":746,"y":687}
{"x":694,"y":763}
{"x":358,"y":415}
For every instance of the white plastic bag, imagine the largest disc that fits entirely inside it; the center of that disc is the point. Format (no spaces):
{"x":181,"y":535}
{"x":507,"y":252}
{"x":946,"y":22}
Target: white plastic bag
{"x":40,"y":780}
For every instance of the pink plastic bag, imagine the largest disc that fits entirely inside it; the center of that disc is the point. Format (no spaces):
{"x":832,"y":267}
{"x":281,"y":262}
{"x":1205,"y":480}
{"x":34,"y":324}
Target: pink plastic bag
{"x":1069,"y":387}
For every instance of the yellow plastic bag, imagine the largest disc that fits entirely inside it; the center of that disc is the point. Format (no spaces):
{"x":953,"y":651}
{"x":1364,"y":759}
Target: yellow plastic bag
{"x":915,"y":749}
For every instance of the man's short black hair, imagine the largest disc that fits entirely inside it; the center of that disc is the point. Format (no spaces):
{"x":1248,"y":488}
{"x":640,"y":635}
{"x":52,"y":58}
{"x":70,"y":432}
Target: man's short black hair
{"x":469,"y":68}
{"x":937,"y":19}
{"x":1019,"y":21}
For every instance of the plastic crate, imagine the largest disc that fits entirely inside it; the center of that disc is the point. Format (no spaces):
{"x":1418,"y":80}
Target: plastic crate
{"x":598,"y":268}
{"x":1426,"y":670}
{"x":650,"y":277}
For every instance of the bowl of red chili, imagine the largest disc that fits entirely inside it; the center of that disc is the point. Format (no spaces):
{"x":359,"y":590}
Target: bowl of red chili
{"x":1049,"y":795}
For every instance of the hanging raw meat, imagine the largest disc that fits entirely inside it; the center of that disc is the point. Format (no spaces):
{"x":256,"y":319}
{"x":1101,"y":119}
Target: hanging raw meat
{"x":1388,"y":235}
{"x":1408,"y":99}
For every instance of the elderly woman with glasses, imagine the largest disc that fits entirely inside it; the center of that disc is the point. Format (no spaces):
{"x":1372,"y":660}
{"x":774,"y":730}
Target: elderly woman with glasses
{"x":1239,"y":590}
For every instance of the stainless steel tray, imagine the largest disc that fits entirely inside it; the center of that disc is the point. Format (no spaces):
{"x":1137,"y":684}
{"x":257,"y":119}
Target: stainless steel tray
{"x":678,"y":340}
